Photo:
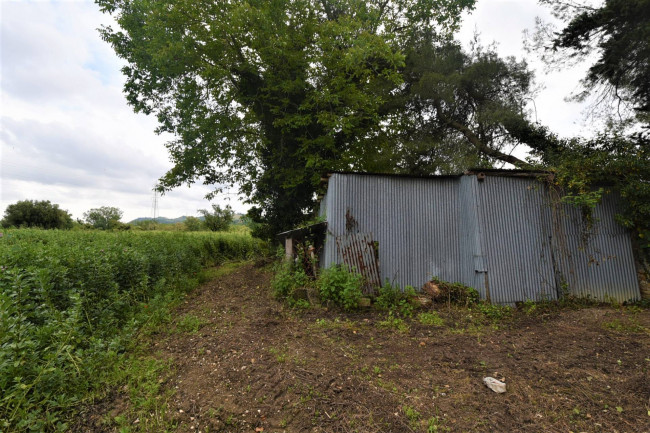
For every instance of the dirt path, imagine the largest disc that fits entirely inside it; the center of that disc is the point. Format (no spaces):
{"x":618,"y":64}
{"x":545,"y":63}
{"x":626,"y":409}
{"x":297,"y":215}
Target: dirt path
{"x":255,"y":365}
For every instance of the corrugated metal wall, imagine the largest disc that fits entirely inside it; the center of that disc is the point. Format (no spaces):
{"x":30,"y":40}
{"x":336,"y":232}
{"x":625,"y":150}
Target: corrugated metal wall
{"x":596,"y":261}
{"x":415,"y":221}
{"x":500,"y":235}
{"x":515,"y":217}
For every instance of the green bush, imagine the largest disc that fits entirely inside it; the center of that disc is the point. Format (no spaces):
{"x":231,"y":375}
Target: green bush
{"x":287,"y":278}
{"x":70,"y":303}
{"x":493,"y":312}
{"x":341,"y":286}
{"x":430,"y":318}
{"x":393,"y":299}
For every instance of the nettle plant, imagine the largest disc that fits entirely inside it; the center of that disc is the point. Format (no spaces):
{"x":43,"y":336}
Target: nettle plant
{"x":341,"y":286}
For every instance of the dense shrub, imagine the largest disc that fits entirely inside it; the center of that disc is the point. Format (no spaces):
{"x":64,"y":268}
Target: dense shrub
{"x":287,"y":278}
{"x":393,"y":299}
{"x":341,"y":286}
{"x":70,"y":301}
{"x":34,"y":213}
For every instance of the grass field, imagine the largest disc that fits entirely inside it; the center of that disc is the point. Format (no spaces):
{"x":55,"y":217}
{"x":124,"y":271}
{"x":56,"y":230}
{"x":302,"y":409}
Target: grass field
{"x":71,"y":302}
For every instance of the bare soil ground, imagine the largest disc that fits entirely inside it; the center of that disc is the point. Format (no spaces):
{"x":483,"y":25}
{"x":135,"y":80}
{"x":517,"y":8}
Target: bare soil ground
{"x":255,"y":365}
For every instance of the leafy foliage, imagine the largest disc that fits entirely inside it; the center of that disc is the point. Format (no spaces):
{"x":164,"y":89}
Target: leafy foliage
{"x":269,"y":94}
{"x":287,"y":278}
{"x":104,"y":218}
{"x":219,"y":219}
{"x":31,"y":213}
{"x":457,"y":293}
{"x":430,"y":318}
{"x":70,"y":302}
{"x":586,"y":169}
{"x":192,"y":224}
{"x":341,"y":286}
{"x":393,"y":299}
{"x":459,"y":109}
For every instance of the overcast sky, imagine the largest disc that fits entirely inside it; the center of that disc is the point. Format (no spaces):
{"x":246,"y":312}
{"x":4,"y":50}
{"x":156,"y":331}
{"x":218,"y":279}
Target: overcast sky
{"x":68,"y":136}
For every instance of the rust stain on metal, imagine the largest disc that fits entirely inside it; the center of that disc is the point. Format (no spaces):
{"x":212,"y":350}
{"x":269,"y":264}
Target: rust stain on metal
{"x":351,"y":224}
{"x":359,"y":252}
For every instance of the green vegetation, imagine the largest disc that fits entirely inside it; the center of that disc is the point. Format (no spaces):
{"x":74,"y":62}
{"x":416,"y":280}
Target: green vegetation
{"x":104,"y":218}
{"x":396,"y":301}
{"x":190,"y":323}
{"x":430,"y":318}
{"x":335,"y":284}
{"x":457,"y":293}
{"x":396,"y":323}
{"x":288,"y":277}
{"x":270,"y":94}
{"x":72,"y":302}
{"x":219,"y":219}
{"x":41,"y":214}
{"x":341,"y":286}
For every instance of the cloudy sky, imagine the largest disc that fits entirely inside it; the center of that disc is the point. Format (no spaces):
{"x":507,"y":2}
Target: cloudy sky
{"x":68,"y":136}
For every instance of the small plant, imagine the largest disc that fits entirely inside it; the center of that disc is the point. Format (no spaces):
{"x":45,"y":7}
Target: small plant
{"x":433,"y":425}
{"x":396,"y":323}
{"x":190,"y":323}
{"x":430,"y":319}
{"x":393,"y":299}
{"x":412,"y":415}
{"x":300,"y":304}
{"x":341,"y":286}
{"x":495,"y":312}
{"x":287,"y":278}
{"x":633,"y":326}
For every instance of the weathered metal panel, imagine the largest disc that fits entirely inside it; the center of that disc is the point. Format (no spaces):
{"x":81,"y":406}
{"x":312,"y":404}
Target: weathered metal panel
{"x":472,"y":258}
{"x":515,"y":218}
{"x":596,"y":260}
{"x":414,"y":220}
{"x":503,"y":234}
{"x":359,"y":253}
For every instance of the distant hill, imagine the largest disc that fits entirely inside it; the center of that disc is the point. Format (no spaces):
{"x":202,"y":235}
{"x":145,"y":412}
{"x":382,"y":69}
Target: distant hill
{"x":163,"y":220}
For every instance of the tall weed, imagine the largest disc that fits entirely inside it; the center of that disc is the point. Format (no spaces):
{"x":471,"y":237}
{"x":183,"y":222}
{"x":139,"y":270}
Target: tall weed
{"x":71,"y":301}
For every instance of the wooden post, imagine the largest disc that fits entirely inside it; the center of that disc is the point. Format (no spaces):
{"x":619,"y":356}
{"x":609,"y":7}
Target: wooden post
{"x":288,"y":248}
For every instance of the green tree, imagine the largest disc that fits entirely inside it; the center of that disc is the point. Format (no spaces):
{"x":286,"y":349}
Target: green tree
{"x":104,"y":218}
{"x":219,"y":219}
{"x":615,"y":38}
{"x":459,"y":109}
{"x":192,"y":224}
{"x":269,"y":94}
{"x":34,"y":213}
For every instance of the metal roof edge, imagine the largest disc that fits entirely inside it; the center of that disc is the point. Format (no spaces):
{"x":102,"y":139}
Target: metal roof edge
{"x":405,"y":175}
{"x":302,"y":230}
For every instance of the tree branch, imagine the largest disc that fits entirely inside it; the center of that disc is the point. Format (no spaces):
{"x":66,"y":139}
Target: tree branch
{"x":476,"y":142}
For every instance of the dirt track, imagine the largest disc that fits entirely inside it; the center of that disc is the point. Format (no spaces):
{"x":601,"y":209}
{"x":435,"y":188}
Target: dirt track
{"x":255,"y":365}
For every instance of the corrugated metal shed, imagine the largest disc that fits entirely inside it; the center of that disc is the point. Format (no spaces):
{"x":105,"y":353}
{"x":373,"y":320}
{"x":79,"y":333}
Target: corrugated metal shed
{"x":500,"y":233}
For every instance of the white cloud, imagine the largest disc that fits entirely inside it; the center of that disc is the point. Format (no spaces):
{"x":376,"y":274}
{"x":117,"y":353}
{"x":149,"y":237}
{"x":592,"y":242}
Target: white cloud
{"x":503,"y":22}
{"x":67,"y":134}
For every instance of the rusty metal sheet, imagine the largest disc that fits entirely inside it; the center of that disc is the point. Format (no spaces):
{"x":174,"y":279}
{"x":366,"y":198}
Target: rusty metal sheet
{"x":359,"y":252}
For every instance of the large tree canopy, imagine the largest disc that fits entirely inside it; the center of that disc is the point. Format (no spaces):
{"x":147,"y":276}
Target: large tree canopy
{"x":268,"y":94}
{"x":35,"y":213}
{"x":459,"y":109}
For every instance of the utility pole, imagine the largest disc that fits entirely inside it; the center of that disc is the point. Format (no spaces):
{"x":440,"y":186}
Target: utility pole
{"x":154,"y":205}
